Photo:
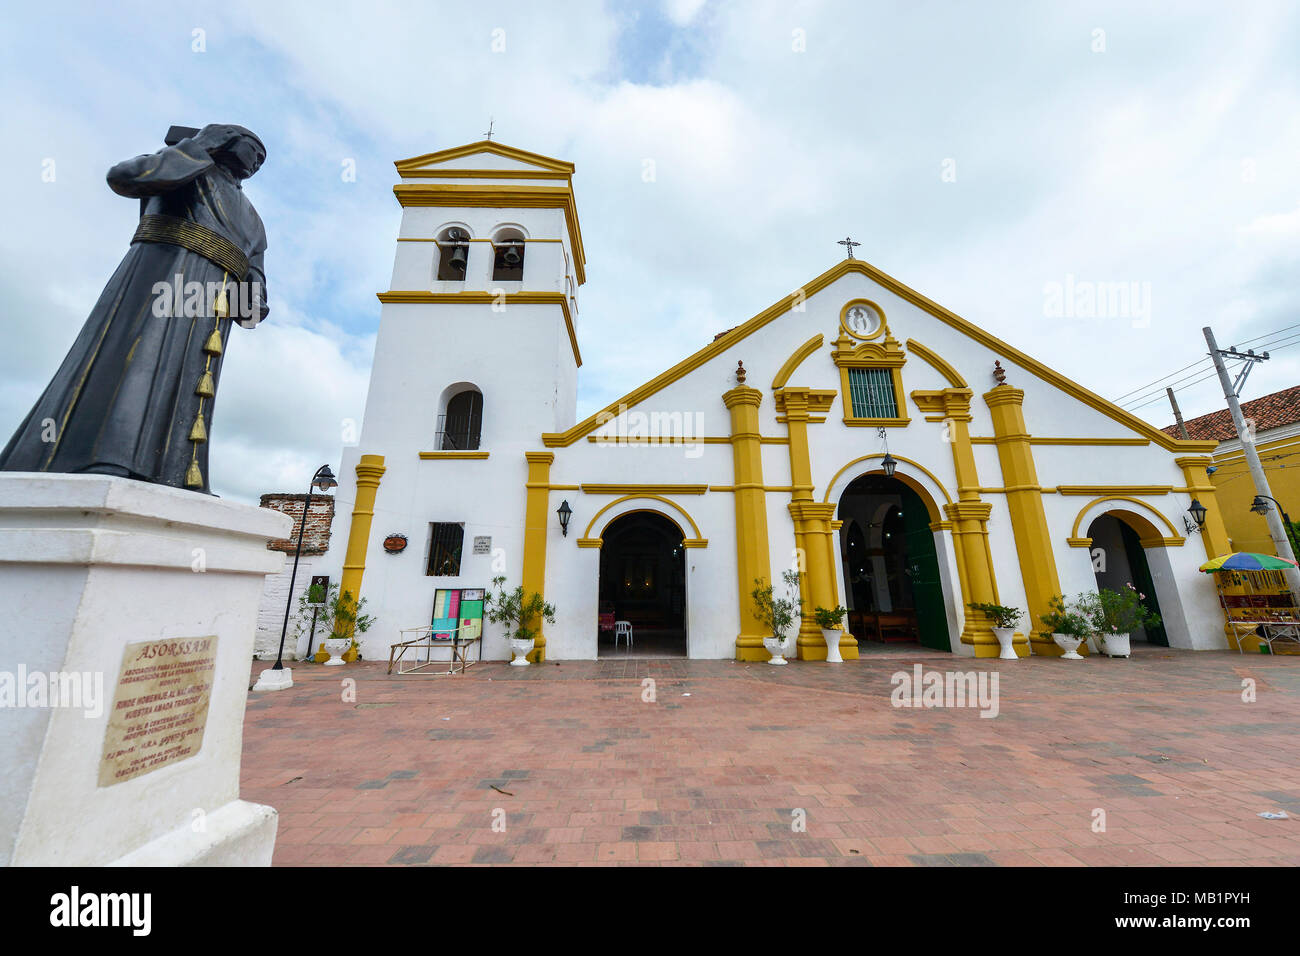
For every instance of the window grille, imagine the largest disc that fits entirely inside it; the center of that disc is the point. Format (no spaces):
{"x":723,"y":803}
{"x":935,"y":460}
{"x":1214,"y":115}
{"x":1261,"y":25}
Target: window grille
{"x":444,"y":549}
{"x":871,"y":391}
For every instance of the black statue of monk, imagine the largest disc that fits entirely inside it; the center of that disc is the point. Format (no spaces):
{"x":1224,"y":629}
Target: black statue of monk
{"x":134,"y":396}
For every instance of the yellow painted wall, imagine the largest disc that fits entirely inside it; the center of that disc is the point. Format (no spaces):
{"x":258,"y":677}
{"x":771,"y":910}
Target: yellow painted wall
{"x":1235,"y":490}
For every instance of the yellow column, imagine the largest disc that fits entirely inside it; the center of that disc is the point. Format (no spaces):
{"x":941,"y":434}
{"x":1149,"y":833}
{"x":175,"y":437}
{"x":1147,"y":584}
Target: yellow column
{"x":969,"y":517}
{"x":797,"y":407}
{"x":537,"y":516}
{"x":1028,"y":519}
{"x":369,"y":470}
{"x":1214,"y":536}
{"x":751,"y":516}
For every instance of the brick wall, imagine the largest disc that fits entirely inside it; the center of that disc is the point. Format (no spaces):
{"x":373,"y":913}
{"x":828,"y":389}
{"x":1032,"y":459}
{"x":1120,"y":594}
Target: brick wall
{"x":275,"y":592}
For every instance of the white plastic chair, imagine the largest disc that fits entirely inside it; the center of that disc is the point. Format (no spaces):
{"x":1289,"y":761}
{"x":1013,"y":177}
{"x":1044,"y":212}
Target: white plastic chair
{"x":623,"y":629}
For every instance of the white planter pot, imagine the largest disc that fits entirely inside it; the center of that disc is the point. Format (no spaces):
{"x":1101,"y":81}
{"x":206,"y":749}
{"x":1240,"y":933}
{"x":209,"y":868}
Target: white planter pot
{"x":1069,"y":645}
{"x":521,"y":650}
{"x":1094,"y":643}
{"x":1116,"y":645}
{"x":1007,"y":641}
{"x":832,"y":637}
{"x":776,"y":649}
{"x":336,"y":647}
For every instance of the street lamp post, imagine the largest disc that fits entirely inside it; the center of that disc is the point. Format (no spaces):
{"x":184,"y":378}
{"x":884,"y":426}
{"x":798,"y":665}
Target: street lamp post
{"x":1260,"y":508}
{"x":279,"y":677}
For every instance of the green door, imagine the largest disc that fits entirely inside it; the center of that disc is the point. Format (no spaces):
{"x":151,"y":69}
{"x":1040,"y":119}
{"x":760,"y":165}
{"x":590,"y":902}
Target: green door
{"x":922,"y":566}
{"x":1137,"y":563}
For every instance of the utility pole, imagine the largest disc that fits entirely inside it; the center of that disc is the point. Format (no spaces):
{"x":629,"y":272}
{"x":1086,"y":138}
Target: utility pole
{"x":1178,"y":415}
{"x":1276,"y":531}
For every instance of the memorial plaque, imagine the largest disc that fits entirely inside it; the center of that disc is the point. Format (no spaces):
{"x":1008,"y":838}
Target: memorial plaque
{"x":160,"y":707}
{"x":483,"y":545}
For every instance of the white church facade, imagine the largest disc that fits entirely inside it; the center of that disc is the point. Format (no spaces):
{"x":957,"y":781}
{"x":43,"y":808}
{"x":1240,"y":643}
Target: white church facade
{"x":761,"y":451}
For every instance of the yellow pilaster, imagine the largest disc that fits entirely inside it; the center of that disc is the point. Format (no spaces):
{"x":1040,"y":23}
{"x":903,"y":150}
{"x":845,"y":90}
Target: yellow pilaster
{"x":1214,"y":536}
{"x":1028,"y":519}
{"x":370,"y":469}
{"x":537,"y":516}
{"x":969,"y":517}
{"x":813,"y":532}
{"x":751,"y":517}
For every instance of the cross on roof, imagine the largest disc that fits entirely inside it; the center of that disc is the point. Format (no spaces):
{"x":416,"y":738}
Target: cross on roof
{"x":488,"y":134}
{"x":848,"y":244}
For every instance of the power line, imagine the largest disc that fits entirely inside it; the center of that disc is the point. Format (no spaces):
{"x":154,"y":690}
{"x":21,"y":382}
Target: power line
{"x":1144,"y":388}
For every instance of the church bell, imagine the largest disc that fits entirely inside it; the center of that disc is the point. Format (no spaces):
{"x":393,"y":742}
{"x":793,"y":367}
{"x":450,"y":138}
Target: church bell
{"x":512,"y":257}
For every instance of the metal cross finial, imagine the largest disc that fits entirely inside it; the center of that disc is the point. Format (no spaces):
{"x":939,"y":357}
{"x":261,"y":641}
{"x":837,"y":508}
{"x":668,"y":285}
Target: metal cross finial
{"x":848,"y":244}
{"x":491,"y":122}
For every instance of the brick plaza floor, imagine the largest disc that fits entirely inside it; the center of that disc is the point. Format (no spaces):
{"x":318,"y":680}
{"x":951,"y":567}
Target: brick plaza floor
{"x":713,"y":771}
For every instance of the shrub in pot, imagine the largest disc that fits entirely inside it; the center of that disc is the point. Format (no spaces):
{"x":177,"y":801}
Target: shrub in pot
{"x":1004,"y":621}
{"x":777,"y":614}
{"x":1114,"y":615}
{"x":1068,"y":626}
{"x":830,"y":621}
{"x":519,"y":611}
{"x":345,"y":619}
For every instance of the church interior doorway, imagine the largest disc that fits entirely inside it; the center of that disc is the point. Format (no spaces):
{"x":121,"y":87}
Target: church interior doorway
{"x":891,"y":572}
{"x":643,"y":582}
{"x":1119,"y":559}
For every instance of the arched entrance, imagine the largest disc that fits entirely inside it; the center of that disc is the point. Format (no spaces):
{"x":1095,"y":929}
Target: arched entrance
{"x":643,"y":582}
{"x":1118,"y":559}
{"x":891,"y":572}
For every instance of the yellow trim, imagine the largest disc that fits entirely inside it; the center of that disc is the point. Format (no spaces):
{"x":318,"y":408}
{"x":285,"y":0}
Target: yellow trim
{"x":950,"y":374}
{"x":993,"y":440}
{"x":418,"y":296}
{"x":498,"y":197}
{"x":408,"y":166}
{"x":1150,"y":530}
{"x":436,"y":455}
{"x":695,"y":529}
{"x":1079,"y":543}
{"x":370,"y":470}
{"x":661,"y":489}
{"x":1159,"y":541}
{"x":1114,"y":489}
{"x":884,"y":325}
{"x":839,"y":270}
{"x":934,"y":515}
{"x":482,"y":174}
{"x":796,"y":357}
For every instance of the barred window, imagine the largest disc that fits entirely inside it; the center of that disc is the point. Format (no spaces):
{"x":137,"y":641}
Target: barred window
{"x":871,"y":391}
{"x":461,"y":426}
{"x":444,"y":549}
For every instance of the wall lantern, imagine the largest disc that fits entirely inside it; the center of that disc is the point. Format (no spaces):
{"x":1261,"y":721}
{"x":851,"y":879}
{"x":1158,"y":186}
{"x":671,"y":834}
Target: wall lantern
{"x":888,"y":464}
{"x":1197,"y":511}
{"x":564,"y":511}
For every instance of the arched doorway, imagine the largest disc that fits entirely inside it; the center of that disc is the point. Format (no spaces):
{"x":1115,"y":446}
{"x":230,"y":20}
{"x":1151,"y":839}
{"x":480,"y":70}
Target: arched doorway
{"x":643,"y":582}
{"x":893,"y":589}
{"x":1118,"y":559}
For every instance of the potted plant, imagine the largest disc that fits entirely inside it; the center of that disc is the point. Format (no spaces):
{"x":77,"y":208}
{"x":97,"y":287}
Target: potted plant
{"x":1004,"y":627}
{"x":345,"y":620}
{"x":829,"y":620}
{"x":1068,"y":626}
{"x":518,"y":611}
{"x":777,"y":614}
{"x":1114,"y":615}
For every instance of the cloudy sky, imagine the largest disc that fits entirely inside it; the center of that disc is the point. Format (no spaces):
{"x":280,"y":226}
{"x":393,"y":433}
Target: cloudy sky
{"x":984,"y":154}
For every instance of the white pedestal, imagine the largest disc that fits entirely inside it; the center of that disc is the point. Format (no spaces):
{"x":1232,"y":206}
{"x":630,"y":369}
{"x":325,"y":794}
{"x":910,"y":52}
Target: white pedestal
{"x":272,"y":679}
{"x":91,"y":567}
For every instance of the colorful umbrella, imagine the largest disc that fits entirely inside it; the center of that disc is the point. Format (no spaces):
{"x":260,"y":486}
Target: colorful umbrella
{"x":1247,"y":561}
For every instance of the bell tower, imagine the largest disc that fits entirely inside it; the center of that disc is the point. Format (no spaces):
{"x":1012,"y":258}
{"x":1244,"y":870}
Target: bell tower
{"x":477,"y":345}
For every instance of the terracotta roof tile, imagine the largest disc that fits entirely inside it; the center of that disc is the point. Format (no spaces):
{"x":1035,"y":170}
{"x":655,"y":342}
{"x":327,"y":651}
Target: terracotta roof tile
{"x":1270,"y":411}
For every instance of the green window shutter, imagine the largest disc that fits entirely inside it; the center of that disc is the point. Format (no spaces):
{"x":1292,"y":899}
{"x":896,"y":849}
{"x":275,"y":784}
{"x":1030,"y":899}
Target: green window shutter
{"x":871,"y":392}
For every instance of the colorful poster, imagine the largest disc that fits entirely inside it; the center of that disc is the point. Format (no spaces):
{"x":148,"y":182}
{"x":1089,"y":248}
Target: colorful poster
{"x":458,"y":611}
